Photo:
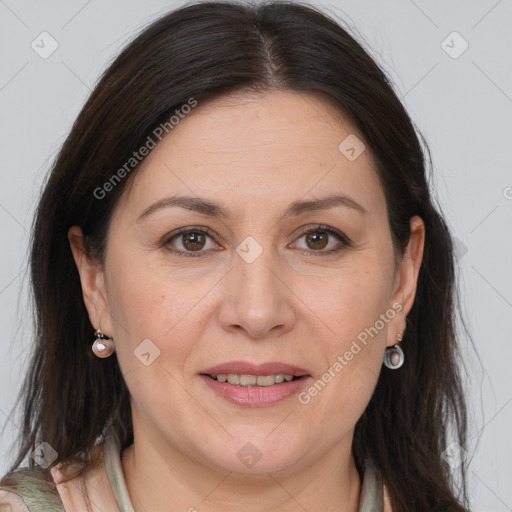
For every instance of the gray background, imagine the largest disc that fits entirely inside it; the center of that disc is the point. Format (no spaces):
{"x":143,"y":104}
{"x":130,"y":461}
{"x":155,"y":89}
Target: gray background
{"x":462,"y":105}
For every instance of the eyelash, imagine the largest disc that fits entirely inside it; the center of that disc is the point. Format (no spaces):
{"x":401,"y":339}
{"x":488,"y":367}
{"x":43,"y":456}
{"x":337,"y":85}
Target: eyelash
{"x":345,"y":241}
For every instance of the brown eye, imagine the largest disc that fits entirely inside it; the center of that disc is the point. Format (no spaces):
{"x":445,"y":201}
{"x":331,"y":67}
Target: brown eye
{"x":190,"y":242}
{"x":193,"y":241}
{"x":323,"y":240}
{"x":317,"y":240}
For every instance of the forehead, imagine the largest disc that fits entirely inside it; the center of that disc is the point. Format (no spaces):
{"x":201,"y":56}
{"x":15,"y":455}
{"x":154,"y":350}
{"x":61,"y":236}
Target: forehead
{"x":279,"y":145}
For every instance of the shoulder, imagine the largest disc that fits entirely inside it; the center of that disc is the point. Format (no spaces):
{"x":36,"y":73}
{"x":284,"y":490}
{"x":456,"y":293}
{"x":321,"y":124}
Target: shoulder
{"x":29,"y":489}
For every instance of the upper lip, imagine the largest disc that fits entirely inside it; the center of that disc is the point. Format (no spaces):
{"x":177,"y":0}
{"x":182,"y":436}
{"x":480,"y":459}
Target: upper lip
{"x":246,"y":368}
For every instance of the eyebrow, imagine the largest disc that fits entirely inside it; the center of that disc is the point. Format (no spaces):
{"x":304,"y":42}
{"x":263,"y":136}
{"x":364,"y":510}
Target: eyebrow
{"x":212,"y":209}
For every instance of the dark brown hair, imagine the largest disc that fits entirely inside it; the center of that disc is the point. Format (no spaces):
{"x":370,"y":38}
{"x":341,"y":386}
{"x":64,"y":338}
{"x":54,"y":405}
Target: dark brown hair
{"x":202,"y":51}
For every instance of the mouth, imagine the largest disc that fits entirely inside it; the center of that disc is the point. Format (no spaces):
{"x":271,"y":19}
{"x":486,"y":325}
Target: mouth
{"x":246,"y":384}
{"x":245,"y":380}
{"x":244,"y":373}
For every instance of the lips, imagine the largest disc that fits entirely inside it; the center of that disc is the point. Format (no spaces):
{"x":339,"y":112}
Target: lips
{"x":236,"y":382}
{"x":246,"y":368}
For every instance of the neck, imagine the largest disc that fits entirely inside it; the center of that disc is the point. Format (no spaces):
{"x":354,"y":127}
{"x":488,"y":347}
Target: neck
{"x":165,"y":478}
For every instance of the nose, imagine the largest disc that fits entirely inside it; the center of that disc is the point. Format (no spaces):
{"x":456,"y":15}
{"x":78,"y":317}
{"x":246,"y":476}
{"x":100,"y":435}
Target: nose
{"x":257,"y":297}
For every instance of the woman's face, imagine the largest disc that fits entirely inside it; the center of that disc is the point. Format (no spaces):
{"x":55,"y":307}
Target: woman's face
{"x":245,"y":284}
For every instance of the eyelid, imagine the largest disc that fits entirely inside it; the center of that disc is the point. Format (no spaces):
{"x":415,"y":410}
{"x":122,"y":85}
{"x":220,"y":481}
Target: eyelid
{"x":188,"y":229}
{"x":323,"y":227}
{"x":344,"y":239}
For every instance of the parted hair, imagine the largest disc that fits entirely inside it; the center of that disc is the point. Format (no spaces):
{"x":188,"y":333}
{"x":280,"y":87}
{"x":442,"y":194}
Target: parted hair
{"x":206,"y":50}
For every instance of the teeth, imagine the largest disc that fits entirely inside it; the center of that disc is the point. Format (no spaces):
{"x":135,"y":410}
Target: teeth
{"x":248,"y":380}
{"x":253,"y":380}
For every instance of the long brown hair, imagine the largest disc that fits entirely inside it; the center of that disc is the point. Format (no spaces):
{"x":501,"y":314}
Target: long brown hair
{"x":202,"y":51}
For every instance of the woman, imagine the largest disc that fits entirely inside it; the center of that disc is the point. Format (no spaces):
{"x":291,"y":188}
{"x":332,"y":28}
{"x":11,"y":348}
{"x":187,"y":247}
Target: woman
{"x":240,"y":219}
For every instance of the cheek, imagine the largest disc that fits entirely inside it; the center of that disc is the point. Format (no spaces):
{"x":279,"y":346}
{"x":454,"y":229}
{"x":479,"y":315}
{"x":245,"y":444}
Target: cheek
{"x":155,"y":304}
{"x":349,"y":302}
{"x":354,"y":314}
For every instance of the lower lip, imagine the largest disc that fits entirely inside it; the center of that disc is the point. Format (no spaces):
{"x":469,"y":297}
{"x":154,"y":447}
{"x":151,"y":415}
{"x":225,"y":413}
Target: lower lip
{"x":255,"y":396}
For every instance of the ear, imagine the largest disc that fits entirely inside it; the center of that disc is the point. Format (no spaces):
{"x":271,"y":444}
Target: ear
{"x":406,"y":278}
{"x":93,"y":283}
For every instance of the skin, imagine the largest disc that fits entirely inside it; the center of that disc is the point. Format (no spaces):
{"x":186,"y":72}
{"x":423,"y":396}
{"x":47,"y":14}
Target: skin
{"x":253,"y":154}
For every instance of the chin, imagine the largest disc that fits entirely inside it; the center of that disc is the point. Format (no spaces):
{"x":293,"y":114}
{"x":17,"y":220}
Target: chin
{"x":257,"y":454}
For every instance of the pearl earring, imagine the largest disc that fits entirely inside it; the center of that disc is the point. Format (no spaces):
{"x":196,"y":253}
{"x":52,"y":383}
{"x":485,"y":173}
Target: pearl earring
{"x":103,"y":346}
{"x":394,"y":356}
